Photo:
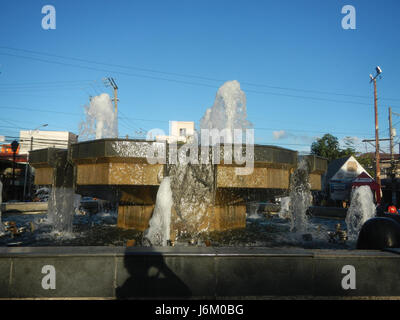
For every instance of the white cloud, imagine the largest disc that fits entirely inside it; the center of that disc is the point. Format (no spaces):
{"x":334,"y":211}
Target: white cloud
{"x":281,"y":134}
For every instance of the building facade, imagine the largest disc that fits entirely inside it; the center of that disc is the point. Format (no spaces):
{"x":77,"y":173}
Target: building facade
{"x":340,"y":176}
{"x":179,"y":131}
{"x":38,"y":139}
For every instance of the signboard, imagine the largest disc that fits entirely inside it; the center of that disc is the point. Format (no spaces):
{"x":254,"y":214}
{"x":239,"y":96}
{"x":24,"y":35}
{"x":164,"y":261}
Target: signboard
{"x":6,"y":150}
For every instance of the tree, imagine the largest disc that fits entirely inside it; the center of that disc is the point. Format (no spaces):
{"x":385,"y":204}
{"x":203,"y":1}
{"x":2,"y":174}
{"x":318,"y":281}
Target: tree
{"x":350,"y":149}
{"x":327,"y":147}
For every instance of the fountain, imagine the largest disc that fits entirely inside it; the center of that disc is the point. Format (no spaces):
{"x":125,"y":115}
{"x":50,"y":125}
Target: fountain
{"x":300,"y":198}
{"x":182,"y":197}
{"x":158,"y":233}
{"x":362,"y":208}
{"x":209,"y":189}
{"x":101,"y":120}
{"x":284,"y":210}
{"x":228,"y":111}
{"x":54,"y":166}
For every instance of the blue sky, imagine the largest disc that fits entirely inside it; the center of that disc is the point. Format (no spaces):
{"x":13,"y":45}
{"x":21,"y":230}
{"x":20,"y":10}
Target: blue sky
{"x":303,"y":74}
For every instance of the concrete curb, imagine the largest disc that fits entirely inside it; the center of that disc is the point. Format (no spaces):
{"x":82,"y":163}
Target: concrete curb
{"x":195,"y":273}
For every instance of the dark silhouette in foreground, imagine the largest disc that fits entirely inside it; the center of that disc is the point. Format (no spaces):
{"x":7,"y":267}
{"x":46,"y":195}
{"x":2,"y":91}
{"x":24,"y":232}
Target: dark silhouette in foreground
{"x":150,"y":277}
{"x":380,"y":232}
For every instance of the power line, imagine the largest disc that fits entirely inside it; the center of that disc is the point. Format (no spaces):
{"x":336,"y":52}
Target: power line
{"x":310,"y":131}
{"x":188,"y":75}
{"x":38,"y":110}
{"x":44,"y":83}
{"x":164,"y":121}
{"x":191,"y":83}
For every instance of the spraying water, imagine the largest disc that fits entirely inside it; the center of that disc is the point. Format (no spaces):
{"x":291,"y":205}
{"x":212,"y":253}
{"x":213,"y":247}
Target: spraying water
{"x":61,"y":209}
{"x":253,"y":210}
{"x":190,"y":188}
{"x":193,"y":194}
{"x":101,"y":120}
{"x":300,"y":198}
{"x":361,"y":209}
{"x":158,"y":232}
{"x":284,"y":211}
{"x":228,"y":111}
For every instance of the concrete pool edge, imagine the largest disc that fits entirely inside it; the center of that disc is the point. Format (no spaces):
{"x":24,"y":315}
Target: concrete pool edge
{"x":196,"y":273}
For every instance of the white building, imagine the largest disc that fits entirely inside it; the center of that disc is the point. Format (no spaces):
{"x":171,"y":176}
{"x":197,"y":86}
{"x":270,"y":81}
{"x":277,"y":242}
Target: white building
{"x":38,"y":139}
{"x":340,"y":176}
{"x":179,"y":131}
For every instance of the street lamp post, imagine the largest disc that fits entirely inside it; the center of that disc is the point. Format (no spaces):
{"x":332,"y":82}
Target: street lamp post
{"x":14,"y":148}
{"x":31,"y":148}
{"x":377,"y":155}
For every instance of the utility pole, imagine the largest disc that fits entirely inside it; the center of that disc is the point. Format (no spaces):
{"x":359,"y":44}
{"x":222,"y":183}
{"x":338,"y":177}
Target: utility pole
{"x":377,"y":155}
{"x":392,"y":161}
{"x":14,"y":148}
{"x":391,"y":135}
{"x":111,"y":82}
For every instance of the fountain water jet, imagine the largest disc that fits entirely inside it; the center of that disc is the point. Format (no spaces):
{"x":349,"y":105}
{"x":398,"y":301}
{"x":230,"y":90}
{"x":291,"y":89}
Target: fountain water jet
{"x":158,"y":232}
{"x":284,"y":211}
{"x":362,"y":208}
{"x":300,"y":198}
{"x":228,"y":111}
{"x":61,"y":209}
{"x":101,"y":120}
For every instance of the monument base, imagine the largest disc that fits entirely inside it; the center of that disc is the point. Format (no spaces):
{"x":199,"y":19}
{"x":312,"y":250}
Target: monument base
{"x":218,"y":218}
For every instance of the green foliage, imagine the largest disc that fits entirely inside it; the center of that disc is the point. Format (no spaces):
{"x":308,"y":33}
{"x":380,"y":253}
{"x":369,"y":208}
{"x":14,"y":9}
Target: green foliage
{"x":328,"y":147}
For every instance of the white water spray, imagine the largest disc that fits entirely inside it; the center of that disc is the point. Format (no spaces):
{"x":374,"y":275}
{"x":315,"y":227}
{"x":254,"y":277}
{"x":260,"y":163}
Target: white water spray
{"x":158,"y":232}
{"x":284,"y":211}
{"x":61,"y":209}
{"x":193,"y":185}
{"x":300,"y":198}
{"x":228,"y":111}
{"x":361,"y":209}
{"x":252,"y":208}
{"x":101,"y":119}
{"x":190,"y":188}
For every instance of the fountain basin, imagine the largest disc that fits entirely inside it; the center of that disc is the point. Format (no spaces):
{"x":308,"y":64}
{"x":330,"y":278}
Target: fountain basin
{"x":192,"y":272}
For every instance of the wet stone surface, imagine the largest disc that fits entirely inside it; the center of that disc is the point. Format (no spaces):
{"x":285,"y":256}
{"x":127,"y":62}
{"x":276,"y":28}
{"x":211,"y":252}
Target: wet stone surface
{"x":101,"y":230}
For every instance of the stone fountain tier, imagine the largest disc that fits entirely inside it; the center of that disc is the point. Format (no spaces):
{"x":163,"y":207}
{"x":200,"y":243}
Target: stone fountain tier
{"x":52,"y":167}
{"x":117,"y":170}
